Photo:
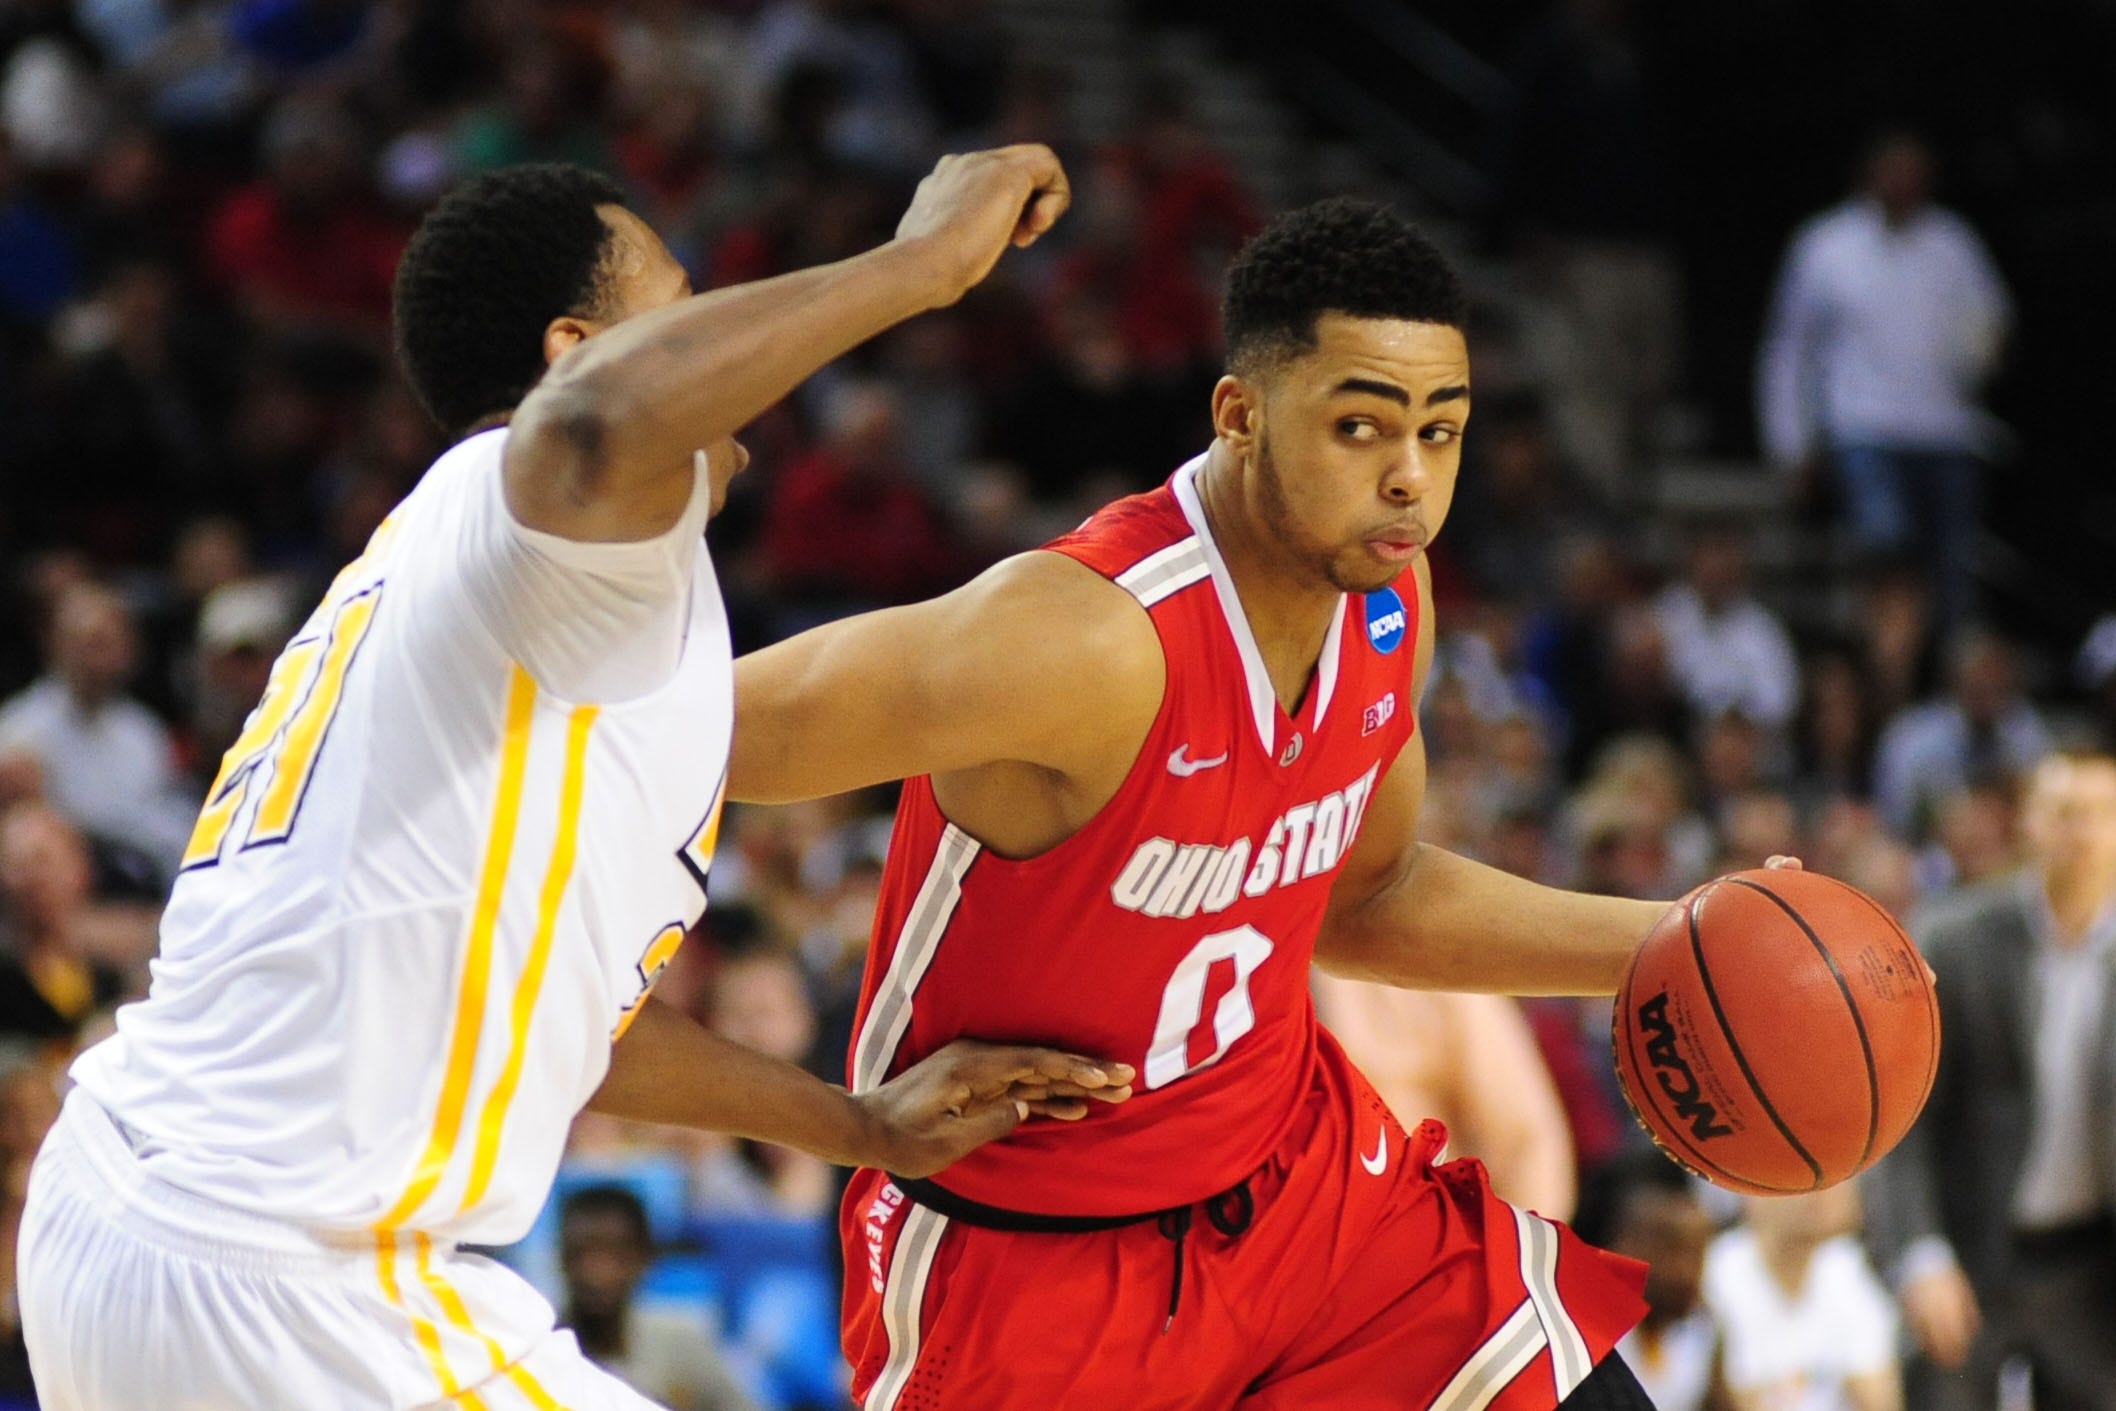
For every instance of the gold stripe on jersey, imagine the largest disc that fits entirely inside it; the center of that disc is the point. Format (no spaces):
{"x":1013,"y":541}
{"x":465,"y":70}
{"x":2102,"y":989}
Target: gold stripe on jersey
{"x":477,"y":956}
{"x":304,"y":738}
{"x":423,"y":1330}
{"x":529,"y":1387}
{"x":579,"y":725}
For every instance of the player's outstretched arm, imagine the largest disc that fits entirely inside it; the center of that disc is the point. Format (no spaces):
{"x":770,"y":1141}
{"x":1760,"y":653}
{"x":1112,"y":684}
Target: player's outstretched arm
{"x":603,"y":446}
{"x":670,"y":1069}
{"x":1407,"y":913}
{"x":1038,"y":661}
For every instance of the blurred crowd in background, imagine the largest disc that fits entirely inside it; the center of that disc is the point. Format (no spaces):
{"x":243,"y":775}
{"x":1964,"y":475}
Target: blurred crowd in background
{"x":201,"y":206}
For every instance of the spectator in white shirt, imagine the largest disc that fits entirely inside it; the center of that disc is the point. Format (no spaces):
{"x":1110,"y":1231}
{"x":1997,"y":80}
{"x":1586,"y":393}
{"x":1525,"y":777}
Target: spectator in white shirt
{"x":1984,"y":732}
{"x":1888,"y":319}
{"x":1727,"y":651}
{"x":1807,"y":1324}
{"x":106,"y":760}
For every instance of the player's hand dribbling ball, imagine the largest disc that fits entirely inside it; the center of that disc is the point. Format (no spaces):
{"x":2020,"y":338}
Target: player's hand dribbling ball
{"x":1777,"y":1032}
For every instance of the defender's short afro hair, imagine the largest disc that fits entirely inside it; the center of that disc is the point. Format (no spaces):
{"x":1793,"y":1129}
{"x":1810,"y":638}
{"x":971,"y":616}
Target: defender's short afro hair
{"x":1341,"y":256}
{"x":499,"y":258}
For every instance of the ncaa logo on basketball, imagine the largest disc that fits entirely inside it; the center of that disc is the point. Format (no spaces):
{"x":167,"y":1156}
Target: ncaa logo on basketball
{"x":1677,"y":1080}
{"x":1385,"y":621}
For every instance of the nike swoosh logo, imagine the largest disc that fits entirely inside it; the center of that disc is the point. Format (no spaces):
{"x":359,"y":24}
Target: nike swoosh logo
{"x":1379,"y":1161}
{"x":1183,"y":768}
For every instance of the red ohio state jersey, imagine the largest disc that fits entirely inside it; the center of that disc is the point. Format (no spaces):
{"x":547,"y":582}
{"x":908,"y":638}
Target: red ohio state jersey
{"x":1174,"y":931}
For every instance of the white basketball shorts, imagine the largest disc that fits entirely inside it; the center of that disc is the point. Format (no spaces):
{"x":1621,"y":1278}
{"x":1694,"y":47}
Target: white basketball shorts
{"x":136,"y":1295}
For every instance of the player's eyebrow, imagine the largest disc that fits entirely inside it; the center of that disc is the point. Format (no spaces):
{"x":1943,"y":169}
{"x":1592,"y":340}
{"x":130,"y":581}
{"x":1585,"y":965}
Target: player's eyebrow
{"x":1457,"y":393}
{"x":1388,"y":391}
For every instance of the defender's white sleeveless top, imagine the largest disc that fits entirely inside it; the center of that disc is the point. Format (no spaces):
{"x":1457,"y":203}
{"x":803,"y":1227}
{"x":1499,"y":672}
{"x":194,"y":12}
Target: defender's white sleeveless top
{"x":427,"y":889}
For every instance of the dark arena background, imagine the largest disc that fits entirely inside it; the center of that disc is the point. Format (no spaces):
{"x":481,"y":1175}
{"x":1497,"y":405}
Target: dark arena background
{"x":1673,"y":640}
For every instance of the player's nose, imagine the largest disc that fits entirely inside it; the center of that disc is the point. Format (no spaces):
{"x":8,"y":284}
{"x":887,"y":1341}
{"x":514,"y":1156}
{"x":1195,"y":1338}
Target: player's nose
{"x":1406,"y":482}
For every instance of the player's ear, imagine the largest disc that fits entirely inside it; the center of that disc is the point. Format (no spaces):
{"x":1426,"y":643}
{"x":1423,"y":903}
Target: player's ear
{"x":563,"y":334}
{"x":1237,"y":412}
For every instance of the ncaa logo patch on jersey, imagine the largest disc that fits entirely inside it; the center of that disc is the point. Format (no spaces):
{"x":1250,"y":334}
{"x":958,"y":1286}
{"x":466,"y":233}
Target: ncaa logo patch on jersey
{"x":1385,"y":621}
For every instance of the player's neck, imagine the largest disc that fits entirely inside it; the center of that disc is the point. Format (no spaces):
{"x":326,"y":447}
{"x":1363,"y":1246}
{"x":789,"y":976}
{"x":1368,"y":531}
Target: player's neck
{"x":1289,"y":613}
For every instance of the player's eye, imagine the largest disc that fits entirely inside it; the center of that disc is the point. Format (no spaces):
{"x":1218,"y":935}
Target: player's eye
{"x":1358,"y":429}
{"x":1439,"y":435}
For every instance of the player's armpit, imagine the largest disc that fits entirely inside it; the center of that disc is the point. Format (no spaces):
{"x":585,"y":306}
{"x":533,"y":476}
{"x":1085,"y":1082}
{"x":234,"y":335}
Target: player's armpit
{"x":1040,"y":660}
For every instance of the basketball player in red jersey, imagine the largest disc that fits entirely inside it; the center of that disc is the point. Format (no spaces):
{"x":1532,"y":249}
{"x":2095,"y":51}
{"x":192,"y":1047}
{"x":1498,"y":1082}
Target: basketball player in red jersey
{"x":1155,"y":770}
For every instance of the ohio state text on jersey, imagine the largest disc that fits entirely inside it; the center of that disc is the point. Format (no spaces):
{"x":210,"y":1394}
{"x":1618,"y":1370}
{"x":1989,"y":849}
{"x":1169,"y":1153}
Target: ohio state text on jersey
{"x":1175,"y":930}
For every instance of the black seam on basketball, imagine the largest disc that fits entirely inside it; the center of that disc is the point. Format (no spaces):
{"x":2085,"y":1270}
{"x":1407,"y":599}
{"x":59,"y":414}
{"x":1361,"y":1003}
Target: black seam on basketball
{"x":1699,"y":1159}
{"x":1932,"y":998}
{"x":1667,"y":1120}
{"x":1704,"y":974}
{"x":1866,"y":1047}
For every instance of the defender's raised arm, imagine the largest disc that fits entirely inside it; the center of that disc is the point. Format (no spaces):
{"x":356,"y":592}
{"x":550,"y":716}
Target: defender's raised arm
{"x":604,"y":444}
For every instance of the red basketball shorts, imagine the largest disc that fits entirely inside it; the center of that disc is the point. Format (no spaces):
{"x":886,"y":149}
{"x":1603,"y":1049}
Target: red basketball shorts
{"x":1366,"y":1279}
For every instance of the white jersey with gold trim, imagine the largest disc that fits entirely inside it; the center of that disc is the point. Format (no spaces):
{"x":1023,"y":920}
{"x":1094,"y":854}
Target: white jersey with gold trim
{"x":427,"y":889}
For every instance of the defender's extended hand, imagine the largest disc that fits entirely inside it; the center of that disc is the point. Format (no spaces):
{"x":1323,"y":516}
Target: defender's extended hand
{"x":970,"y":1093}
{"x":971,"y":207}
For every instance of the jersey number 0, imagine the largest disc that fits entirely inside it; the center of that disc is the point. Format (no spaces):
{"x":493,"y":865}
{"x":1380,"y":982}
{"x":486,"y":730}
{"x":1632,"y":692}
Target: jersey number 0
{"x":1181,"y":1029}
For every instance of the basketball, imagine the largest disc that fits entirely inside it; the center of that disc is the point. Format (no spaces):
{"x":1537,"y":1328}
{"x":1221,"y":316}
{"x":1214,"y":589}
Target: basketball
{"x":1777,"y":1032}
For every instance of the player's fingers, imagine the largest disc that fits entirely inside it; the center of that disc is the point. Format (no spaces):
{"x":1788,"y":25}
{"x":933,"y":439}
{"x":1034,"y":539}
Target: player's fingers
{"x":1040,"y":216}
{"x":1042,"y":213}
{"x":1780,"y":860}
{"x":1040,"y":1091}
{"x":1001,"y":1065}
{"x":1060,"y":1109}
{"x":1062,"y":1067}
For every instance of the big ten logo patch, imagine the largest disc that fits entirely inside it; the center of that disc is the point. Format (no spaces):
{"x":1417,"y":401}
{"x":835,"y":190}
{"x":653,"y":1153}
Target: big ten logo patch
{"x":881,"y":1213}
{"x":1378,"y":714}
{"x":1385,"y":621}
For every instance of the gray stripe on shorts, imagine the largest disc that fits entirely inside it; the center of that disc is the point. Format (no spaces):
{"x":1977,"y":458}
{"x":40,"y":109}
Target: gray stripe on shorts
{"x":1504,"y":1356}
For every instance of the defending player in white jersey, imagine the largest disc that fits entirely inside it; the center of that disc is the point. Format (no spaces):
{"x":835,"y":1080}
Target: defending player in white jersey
{"x":426,"y":901}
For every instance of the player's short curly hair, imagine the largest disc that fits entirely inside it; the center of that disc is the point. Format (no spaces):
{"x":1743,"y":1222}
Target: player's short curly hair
{"x":499,"y":258}
{"x":1342,"y":256}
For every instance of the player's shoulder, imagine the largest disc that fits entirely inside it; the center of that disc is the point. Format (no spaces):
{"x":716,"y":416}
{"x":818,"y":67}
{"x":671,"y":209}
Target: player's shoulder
{"x":474,"y":462}
{"x":1128,"y":536}
{"x":459,"y":499}
{"x":1052,"y":606}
